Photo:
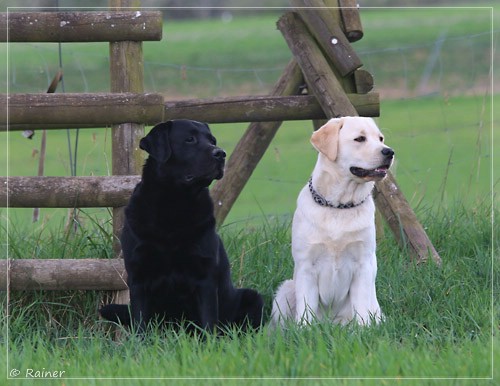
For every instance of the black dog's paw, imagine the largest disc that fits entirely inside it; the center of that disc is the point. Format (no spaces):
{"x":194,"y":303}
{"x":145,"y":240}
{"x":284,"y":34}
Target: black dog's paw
{"x":250,"y":310}
{"x":118,"y":313}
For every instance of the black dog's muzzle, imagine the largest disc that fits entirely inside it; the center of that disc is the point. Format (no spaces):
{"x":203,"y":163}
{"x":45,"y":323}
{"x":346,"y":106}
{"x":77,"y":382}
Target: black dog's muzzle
{"x":219,"y":154}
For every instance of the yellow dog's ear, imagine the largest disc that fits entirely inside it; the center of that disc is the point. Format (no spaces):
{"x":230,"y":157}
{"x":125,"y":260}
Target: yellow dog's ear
{"x":326,"y":138}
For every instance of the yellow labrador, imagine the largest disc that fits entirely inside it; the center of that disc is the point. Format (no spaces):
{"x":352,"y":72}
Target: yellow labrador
{"x":333,"y":231}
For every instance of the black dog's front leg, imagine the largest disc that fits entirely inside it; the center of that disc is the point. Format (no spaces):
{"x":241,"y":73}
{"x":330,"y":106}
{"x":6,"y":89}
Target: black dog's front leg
{"x":208,"y":305}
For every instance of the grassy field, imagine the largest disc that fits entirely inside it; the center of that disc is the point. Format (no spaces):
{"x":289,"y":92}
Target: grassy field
{"x":439,"y":320}
{"x":441,"y":323}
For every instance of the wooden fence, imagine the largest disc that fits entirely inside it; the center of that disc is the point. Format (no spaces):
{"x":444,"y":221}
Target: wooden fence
{"x":323,"y":60}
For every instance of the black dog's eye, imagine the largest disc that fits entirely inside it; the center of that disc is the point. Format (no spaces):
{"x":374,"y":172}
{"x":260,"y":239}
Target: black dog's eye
{"x":213,"y":141}
{"x":190,"y":139}
{"x":361,"y":138}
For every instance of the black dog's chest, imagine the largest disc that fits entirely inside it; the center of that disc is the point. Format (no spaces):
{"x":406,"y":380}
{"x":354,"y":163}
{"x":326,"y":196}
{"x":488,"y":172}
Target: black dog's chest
{"x":172,"y":275}
{"x":173,"y":259}
{"x":180,"y":274}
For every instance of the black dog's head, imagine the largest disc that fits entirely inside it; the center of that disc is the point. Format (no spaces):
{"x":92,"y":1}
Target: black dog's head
{"x":184,"y":152}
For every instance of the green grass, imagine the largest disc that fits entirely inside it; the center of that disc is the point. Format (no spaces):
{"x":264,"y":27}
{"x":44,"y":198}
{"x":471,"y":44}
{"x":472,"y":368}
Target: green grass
{"x":438,"y":319}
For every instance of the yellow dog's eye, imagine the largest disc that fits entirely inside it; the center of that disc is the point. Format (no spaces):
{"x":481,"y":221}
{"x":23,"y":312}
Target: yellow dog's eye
{"x":381,"y":139}
{"x":361,"y":138}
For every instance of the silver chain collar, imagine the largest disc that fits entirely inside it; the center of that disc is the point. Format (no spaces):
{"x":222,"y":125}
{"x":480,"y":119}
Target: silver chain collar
{"x":320,"y":200}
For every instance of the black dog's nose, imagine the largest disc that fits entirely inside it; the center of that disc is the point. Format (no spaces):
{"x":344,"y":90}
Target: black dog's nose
{"x":388,"y":152}
{"x":219,"y":153}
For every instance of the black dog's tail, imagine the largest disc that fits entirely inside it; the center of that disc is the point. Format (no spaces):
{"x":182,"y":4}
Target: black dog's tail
{"x":118,"y":313}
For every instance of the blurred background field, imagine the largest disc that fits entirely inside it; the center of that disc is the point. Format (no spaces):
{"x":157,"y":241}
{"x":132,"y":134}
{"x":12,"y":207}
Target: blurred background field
{"x":432,"y":67}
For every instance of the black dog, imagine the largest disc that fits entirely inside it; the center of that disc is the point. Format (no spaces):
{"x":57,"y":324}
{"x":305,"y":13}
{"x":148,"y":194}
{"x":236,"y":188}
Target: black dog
{"x":178,"y":270}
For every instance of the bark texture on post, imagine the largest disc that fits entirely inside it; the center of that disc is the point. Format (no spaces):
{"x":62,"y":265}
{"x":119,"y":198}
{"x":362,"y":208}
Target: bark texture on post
{"x":127,"y":75}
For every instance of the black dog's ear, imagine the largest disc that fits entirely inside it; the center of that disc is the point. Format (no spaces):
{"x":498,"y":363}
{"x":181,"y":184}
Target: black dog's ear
{"x":157,"y":142}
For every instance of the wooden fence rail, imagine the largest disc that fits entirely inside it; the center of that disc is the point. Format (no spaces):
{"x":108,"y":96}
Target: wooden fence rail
{"x":39,"y":110}
{"x":107,"y":26}
{"x":54,"y":111}
{"x":63,"y":274}
{"x":66,"y":192}
{"x":264,"y":108}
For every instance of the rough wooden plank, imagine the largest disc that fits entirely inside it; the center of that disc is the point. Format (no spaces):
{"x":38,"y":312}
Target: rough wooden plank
{"x":63,"y":274}
{"x":251,"y":148}
{"x":328,"y":34}
{"x":66,"y":192}
{"x":41,"y":111}
{"x":96,"y":109}
{"x":100,"y":26}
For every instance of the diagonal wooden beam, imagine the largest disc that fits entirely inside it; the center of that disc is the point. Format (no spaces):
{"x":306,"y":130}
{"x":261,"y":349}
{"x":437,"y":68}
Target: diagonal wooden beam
{"x":315,"y":68}
{"x":250,"y":149}
{"x":328,"y":35}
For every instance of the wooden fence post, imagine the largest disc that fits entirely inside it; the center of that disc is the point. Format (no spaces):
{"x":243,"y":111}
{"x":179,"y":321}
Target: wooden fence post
{"x":127,"y":72}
